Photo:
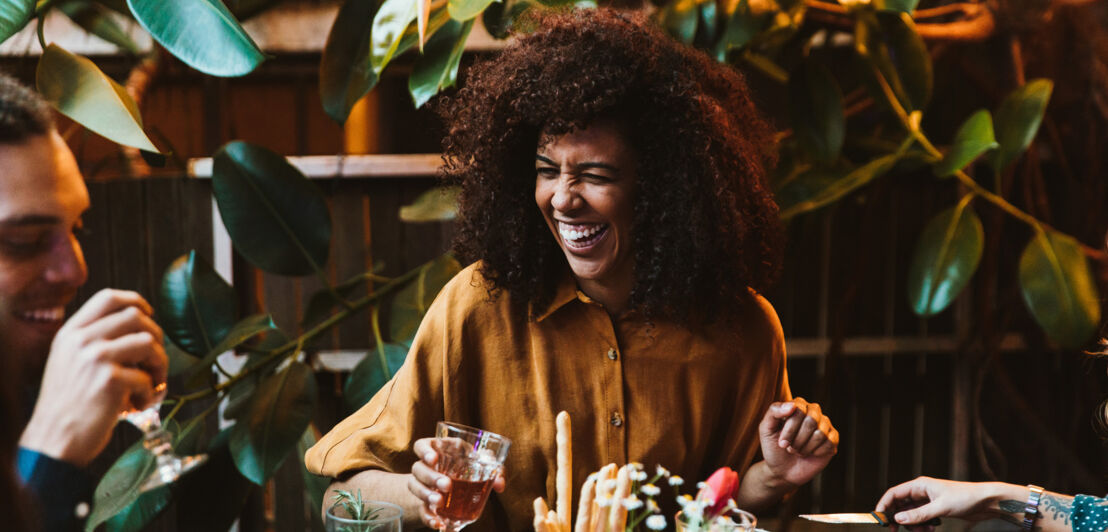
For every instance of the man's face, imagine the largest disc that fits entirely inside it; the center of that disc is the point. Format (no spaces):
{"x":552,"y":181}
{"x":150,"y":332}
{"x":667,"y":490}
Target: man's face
{"x":42,"y":198}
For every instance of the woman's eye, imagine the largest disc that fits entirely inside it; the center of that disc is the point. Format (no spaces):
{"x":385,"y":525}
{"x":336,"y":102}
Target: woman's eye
{"x":547,"y":171}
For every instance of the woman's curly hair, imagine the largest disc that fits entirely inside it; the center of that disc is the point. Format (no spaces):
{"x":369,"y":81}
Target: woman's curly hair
{"x":705,"y":224}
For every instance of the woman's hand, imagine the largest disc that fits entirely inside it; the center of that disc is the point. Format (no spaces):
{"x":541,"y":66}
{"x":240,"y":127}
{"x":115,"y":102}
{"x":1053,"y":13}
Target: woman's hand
{"x":797,"y":440}
{"x":429,"y":486}
{"x":920,"y":500}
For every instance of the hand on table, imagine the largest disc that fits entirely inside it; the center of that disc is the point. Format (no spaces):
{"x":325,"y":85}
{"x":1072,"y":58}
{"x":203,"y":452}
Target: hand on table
{"x":797,"y":440}
{"x":920,"y":500}
{"x":428,"y":485}
{"x":106,"y":359}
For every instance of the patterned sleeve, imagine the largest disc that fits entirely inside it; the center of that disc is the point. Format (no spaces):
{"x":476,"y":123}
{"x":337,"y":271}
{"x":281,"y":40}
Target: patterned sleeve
{"x":1090,"y":514}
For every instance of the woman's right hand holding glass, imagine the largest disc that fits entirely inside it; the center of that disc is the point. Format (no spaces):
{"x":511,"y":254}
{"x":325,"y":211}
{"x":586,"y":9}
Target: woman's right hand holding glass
{"x":429,"y":485}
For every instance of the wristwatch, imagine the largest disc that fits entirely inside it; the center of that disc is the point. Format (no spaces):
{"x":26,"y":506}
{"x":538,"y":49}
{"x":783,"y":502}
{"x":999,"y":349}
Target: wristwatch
{"x":1031,"y":511}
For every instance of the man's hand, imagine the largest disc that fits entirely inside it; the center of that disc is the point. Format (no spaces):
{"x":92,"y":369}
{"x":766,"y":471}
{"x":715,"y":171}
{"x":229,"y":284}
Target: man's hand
{"x":429,"y":485}
{"x":106,"y":359}
{"x":920,"y":500}
{"x":797,"y":440}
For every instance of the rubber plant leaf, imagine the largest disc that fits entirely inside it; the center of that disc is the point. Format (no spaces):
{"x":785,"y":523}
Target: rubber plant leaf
{"x":371,"y":374}
{"x":278,"y":219}
{"x":203,"y":34}
{"x":120,"y":485}
{"x":890,"y":42}
{"x":1058,"y":288}
{"x":281,"y":409}
{"x":141,"y":512}
{"x":100,"y":21}
{"x":945,"y":259}
{"x":816,"y":111}
{"x":345,"y":74}
{"x":411,"y":302}
{"x":464,"y":10}
{"x":197,"y":308}
{"x":314,"y":485}
{"x":1018,"y":120}
{"x":973,"y":138}
{"x":742,"y":26}
{"x":680,"y":19}
{"x":78,"y":89}
{"x":435,"y":205}
{"x":437,"y":68}
{"x":389,"y":24}
{"x":839,"y":188}
{"x":241,"y":332}
{"x":14,"y":15}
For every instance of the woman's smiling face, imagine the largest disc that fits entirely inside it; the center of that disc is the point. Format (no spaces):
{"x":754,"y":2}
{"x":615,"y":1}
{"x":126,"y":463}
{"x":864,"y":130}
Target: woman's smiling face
{"x":584,"y":186}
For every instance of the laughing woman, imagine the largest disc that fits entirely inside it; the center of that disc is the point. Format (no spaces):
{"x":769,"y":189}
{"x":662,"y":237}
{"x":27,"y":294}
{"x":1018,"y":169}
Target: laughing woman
{"x":615,"y":213}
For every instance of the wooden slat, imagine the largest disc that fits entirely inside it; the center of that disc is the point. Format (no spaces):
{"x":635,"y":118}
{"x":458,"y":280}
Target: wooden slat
{"x":418,"y":165}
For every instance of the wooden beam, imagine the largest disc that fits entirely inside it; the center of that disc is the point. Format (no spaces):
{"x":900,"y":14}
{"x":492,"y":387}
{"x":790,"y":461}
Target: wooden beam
{"x":416,"y":165}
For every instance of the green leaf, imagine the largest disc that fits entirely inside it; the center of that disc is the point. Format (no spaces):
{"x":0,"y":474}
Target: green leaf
{"x":371,"y":374}
{"x":974,"y":138}
{"x":322,"y":302}
{"x":889,"y":40}
{"x":816,"y":110}
{"x":345,"y":74}
{"x":708,"y":29}
{"x":281,"y":410}
{"x":14,"y":15}
{"x":179,"y":360}
{"x":197,"y":307}
{"x":389,"y":25}
{"x":79,"y":90}
{"x":839,"y":188}
{"x":742,"y":27}
{"x":240,"y":333}
{"x":120,"y":485}
{"x":277,"y":219}
{"x":466,"y":10}
{"x":905,"y":6}
{"x":411,"y":302}
{"x":201,"y":33}
{"x":437,"y":68}
{"x":435,"y":205}
{"x":212,"y":496}
{"x":1059,"y":289}
{"x":315,"y":485}
{"x":680,"y":19}
{"x":1018,"y":120}
{"x":100,"y":21}
{"x":140,"y":513}
{"x":945,"y":259}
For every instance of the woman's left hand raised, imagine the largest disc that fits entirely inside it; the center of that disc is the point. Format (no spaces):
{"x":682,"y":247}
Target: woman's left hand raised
{"x":798,"y":440}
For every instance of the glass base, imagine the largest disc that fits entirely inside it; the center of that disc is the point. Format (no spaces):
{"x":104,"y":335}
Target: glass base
{"x":170,"y":468}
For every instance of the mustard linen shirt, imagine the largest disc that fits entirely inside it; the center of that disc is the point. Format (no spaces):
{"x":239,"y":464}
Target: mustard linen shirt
{"x":687,"y":397}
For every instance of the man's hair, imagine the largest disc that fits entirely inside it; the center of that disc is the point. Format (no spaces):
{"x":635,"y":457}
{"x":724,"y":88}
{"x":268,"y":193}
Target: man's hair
{"x":23,"y":113}
{"x":705,"y":225}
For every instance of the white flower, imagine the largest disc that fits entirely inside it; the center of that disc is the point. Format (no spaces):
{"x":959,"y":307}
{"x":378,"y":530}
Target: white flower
{"x":661,"y":471}
{"x":693,"y":512}
{"x":632,"y":503}
{"x":638,"y":476}
{"x":650,"y":490}
{"x":656,"y":522}
{"x":637,"y":466}
{"x":684,"y":501}
{"x":652,"y":506}
{"x":603,"y":501}
{"x":701,"y":485}
{"x":610,"y":485}
{"x":676,"y":480}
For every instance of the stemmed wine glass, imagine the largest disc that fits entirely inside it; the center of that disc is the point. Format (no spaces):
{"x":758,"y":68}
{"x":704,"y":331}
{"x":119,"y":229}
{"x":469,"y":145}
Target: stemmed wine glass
{"x":168,"y":466}
{"x":472,"y":458}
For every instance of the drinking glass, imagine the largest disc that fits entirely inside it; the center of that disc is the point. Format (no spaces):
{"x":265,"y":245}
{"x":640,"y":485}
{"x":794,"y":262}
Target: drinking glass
{"x":472,"y":458}
{"x":732,"y":521}
{"x":157,"y":440}
{"x":378,"y":517}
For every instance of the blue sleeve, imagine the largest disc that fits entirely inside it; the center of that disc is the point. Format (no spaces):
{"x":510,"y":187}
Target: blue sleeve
{"x":62,"y":491}
{"x":1090,"y":514}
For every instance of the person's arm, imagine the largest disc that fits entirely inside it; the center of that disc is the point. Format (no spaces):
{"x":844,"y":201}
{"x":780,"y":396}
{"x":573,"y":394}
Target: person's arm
{"x":797,"y":443}
{"x":925,"y":498}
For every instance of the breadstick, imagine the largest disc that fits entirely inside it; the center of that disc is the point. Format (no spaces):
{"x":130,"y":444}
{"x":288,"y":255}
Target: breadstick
{"x":599,"y":516}
{"x":588,"y":491}
{"x":540,"y":514}
{"x":564,"y":480}
{"x":617,"y":518}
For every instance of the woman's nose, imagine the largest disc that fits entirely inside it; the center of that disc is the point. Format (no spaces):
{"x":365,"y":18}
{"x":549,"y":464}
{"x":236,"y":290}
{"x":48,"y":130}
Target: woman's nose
{"x":566,"y":196}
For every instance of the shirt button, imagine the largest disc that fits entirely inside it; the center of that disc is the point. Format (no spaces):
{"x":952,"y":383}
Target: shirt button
{"x":617,"y":420}
{"x":612,"y":354}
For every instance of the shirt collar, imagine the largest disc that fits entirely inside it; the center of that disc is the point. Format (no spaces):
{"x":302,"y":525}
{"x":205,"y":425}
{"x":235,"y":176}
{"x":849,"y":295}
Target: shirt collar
{"x":565,"y":292}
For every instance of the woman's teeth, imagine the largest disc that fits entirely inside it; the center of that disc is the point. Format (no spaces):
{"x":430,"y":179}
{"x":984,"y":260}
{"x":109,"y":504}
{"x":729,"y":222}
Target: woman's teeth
{"x":44,"y":315}
{"x":579,"y":232}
